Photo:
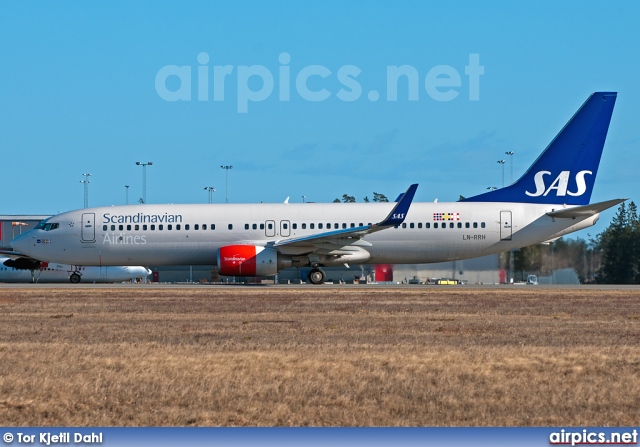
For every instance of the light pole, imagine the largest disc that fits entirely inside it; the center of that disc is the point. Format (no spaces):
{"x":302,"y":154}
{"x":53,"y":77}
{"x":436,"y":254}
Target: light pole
{"x":226,"y":168}
{"x":86,"y":189}
{"x":304,"y":198}
{"x":211,"y":190}
{"x":510,"y":154}
{"x":126,"y":193}
{"x":502,"y":162}
{"x":144,"y":179}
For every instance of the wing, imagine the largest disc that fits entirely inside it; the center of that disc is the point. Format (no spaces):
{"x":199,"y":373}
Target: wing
{"x":350,"y":239}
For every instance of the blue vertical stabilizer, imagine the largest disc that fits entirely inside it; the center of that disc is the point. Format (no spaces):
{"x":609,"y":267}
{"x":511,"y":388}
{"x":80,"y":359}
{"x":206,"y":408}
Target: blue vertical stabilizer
{"x":566,"y":171}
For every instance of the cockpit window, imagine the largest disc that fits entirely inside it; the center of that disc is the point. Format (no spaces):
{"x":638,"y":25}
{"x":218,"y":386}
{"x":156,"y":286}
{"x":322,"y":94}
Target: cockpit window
{"x":49,"y":226}
{"x":40,"y":226}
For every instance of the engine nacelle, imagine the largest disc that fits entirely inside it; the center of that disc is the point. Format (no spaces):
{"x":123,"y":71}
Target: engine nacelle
{"x":247,"y":260}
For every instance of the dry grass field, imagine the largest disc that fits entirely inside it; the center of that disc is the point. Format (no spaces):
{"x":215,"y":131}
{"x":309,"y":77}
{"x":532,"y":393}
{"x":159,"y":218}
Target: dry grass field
{"x":352,"y":356}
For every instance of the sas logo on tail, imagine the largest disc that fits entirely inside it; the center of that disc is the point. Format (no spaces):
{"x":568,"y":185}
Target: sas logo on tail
{"x":560,"y":184}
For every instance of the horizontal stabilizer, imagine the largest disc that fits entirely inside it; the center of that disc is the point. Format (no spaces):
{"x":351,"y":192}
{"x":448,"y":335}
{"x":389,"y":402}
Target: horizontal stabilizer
{"x":586,"y":210}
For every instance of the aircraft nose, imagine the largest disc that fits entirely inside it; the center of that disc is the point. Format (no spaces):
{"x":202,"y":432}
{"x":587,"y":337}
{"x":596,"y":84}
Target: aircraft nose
{"x":22,"y":244}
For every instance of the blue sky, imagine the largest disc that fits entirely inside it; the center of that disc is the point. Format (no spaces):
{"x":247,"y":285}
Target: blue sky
{"x":78,"y":93}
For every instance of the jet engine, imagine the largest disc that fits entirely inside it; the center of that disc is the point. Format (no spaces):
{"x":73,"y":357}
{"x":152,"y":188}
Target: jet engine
{"x":249,"y":260}
{"x":23,"y":263}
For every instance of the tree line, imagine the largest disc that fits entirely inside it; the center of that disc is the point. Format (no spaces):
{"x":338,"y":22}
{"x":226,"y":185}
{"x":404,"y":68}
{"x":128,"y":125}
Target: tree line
{"x":346,"y":198}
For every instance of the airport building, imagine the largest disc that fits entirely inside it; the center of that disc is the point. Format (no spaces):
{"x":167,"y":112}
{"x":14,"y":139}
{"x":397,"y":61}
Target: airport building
{"x":14,"y":225}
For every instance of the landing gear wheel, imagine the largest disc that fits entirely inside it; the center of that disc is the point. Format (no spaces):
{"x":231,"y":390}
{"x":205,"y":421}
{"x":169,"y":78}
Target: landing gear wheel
{"x":74,"y":278}
{"x":316,"y":276}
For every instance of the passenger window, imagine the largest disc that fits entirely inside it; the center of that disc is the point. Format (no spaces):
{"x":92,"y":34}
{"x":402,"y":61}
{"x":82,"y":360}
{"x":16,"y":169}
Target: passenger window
{"x":320,"y":226}
{"x":213,"y":226}
{"x":269,"y":226}
{"x":285,"y":226}
{"x":459,"y":224}
{"x":353,"y":225}
{"x":231,"y":226}
{"x":120,"y":227}
{"x":262,"y":226}
{"x":104,"y":228}
{"x":435,"y":225}
{"x":169,"y":227}
{"x":444,"y":225}
{"x":137,"y":227}
{"x":246,"y":226}
{"x":177,"y":226}
{"x":204,"y":226}
{"x":312,"y":226}
{"x":475,"y":225}
{"x":144,"y":227}
{"x":160,"y":227}
{"x":404,"y":225}
{"x":427,"y":225}
{"x":186,"y":227}
{"x":153,"y":227}
{"x":466,"y":225}
{"x":113,"y":228}
{"x":196,"y":227}
{"x":419,"y":224}
{"x":412,"y":225}
{"x":304,"y":226}
{"x":451,"y":225}
{"x":128,"y":227}
{"x":344,"y":225}
{"x":482,"y":225}
{"x":336,"y":226}
{"x":360,"y":224}
{"x":294,"y":226}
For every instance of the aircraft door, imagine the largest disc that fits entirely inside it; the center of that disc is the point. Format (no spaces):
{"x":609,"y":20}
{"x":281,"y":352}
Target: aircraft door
{"x":505,"y":226}
{"x":270,"y":228}
{"x":285,"y":228}
{"x":88,"y":233}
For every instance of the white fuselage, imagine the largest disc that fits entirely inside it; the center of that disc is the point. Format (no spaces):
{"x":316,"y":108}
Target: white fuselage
{"x":149,"y":234}
{"x":60,"y":273}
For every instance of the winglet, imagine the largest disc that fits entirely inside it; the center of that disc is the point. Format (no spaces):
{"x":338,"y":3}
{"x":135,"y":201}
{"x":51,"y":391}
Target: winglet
{"x":399,"y":212}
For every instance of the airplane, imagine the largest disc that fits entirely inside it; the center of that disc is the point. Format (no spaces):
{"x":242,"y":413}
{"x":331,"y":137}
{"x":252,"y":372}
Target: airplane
{"x":550,"y":200}
{"x":61,"y":273}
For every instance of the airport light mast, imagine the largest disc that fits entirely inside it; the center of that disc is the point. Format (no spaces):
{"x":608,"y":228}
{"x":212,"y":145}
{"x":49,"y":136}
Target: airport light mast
{"x":126,"y":194}
{"x":144,"y":179}
{"x":510,"y":154}
{"x":502,"y":162}
{"x":226,"y":168}
{"x":211,"y":190}
{"x":86,"y":189}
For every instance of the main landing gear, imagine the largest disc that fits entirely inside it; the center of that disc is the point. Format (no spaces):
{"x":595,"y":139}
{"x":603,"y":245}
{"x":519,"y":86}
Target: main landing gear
{"x":316,"y":276}
{"x":75,"y":278}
